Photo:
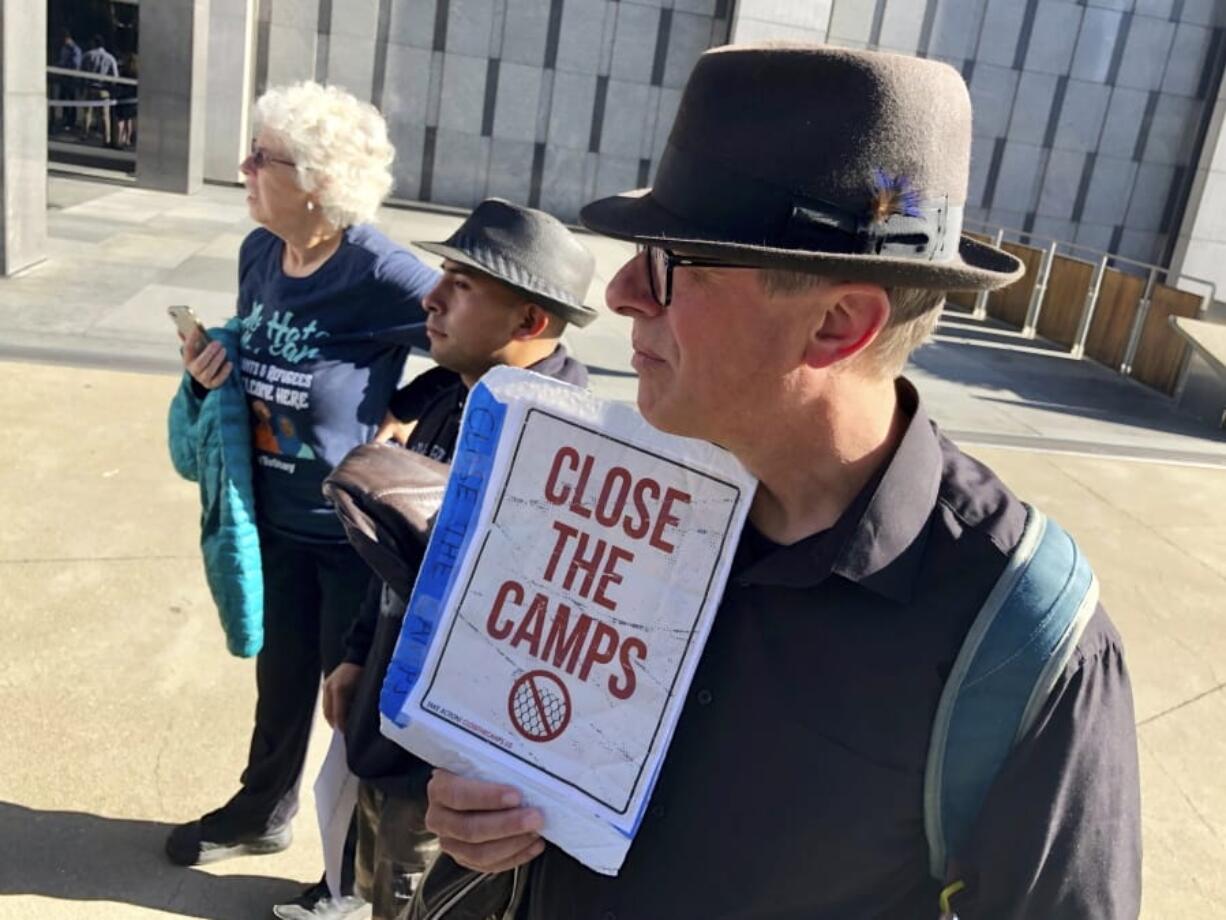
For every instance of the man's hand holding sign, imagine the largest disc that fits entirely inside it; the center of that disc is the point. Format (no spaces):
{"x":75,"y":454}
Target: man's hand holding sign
{"x":483,"y":825}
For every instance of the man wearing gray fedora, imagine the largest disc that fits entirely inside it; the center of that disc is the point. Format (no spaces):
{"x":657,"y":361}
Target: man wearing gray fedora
{"x":513,"y":279}
{"x":803,"y":228}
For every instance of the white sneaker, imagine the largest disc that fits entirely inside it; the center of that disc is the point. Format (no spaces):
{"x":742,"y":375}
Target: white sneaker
{"x":316,"y":904}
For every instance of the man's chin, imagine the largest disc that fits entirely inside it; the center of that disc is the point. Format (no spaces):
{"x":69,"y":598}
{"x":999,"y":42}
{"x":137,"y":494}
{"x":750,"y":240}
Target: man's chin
{"x":656,"y":412}
{"x":449,"y":361}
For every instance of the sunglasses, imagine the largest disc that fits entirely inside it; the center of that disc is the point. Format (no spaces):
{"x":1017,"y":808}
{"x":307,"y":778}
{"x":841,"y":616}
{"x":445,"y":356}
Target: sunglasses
{"x":260,"y":157}
{"x":660,"y":265}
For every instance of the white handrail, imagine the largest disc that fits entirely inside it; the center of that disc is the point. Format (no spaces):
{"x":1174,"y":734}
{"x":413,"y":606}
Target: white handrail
{"x":92,"y":77}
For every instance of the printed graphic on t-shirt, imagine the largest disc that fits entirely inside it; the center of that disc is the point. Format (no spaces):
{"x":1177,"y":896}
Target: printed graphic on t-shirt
{"x":279,"y":398}
{"x":285,"y":341}
{"x":276,"y":398}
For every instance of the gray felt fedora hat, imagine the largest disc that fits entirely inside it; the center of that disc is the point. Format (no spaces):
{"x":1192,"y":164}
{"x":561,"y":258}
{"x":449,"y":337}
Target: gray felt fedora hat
{"x":844,"y":163}
{"x":527,"y":249}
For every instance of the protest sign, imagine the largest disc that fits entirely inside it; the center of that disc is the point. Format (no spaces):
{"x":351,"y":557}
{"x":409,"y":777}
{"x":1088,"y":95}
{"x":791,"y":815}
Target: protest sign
{"x":569,"y":586}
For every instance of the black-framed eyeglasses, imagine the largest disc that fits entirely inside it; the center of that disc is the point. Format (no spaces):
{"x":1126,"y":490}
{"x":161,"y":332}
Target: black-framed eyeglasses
{"x":660,"y":265}
{"x":260,"y":157}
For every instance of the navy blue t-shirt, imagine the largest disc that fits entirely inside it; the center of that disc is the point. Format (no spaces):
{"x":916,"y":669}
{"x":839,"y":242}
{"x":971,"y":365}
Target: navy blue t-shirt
{"x":320,"y":358}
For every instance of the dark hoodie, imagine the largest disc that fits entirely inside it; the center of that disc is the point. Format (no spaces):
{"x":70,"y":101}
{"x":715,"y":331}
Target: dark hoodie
{"x":436,"y":401}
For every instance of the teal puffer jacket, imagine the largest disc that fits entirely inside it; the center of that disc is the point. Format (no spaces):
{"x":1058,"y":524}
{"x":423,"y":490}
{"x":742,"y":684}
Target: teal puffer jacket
{"x":210,"y":444}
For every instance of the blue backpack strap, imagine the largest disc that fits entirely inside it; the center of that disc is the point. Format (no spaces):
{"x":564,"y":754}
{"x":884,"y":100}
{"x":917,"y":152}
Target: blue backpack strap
{"x":1012,"y":656}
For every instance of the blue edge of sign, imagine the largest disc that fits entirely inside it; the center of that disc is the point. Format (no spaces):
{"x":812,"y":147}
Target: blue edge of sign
{"x":470,"y":473}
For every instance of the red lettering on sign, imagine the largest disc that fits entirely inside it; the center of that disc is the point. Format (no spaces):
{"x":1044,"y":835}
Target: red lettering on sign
{"x":576,"y":503}
{"x":639,"y":529}
{"x":601,"y":650}
{"x":573,"y":644}
{"x":492,"y":626}
{"x":565,"y":532}
{"x":635,"y":506}
{"x":553,"y":494}
{"x":532,"y":625}
{"x":592,"y":565}
{"x":625,"y":689}
{"x":667,"y":519}
{"x":589,"y":565}
{"x":610,"y":576}
{"x":562,"y":646}
{"x":618,"y":478}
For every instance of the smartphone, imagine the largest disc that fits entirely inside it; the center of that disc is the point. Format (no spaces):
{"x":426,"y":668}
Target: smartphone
{"x":186,"y":321}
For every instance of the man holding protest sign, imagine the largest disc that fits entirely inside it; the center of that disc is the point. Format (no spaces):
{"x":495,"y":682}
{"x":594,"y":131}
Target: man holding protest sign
{"x":513,"y":279}
{"x":795,"y":248}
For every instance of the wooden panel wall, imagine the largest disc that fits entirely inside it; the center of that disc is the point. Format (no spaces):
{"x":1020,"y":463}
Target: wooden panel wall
{"x":962,"y":299}
{"x":1113,"y":316}
{"x":1067,"y":287}
{"x":1161,"y":352}
{"x":1009,"y":304}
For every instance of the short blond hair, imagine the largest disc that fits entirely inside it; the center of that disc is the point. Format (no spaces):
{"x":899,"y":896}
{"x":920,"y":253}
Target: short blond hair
{"x":914,"y":313}
{"x":339,"y":144}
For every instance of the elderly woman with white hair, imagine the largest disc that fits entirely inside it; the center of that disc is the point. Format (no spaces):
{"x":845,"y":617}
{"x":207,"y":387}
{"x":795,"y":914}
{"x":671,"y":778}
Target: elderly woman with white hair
{"x":327,"y":309}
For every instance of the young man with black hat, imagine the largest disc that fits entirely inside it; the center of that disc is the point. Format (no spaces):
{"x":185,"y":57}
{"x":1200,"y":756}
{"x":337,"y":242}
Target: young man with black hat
{"x":513,"y":279}
{"x":804,"y":224}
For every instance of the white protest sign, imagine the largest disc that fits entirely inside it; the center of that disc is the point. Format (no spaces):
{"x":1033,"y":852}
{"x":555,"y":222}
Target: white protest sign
{"x":563,"y":603}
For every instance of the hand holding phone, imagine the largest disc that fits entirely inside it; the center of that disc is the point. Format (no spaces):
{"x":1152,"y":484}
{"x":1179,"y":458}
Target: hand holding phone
{"x":186,"y":321}
{"x":203,"y":358}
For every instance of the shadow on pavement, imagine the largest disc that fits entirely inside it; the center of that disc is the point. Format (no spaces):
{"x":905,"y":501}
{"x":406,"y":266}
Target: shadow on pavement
{"x":74,"y":856}
{"x":989,"y":356}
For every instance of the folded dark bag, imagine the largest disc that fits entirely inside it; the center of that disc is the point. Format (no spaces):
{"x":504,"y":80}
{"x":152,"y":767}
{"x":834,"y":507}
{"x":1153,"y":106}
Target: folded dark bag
{"x":387,"y":498}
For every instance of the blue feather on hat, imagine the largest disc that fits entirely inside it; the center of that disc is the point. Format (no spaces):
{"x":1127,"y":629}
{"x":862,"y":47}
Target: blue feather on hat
{"x":892,"y":195}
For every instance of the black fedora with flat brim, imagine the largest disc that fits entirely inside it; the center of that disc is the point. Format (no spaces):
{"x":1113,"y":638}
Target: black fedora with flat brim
{"x":528,"y":250}
{"x":842,"y":163}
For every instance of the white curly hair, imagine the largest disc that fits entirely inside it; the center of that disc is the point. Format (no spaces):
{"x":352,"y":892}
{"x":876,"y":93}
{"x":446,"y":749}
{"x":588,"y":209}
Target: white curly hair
{"x":339,"y":144}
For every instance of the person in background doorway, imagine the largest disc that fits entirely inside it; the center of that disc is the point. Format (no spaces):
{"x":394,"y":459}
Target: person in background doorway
{"x":100,"y":92}
{"x":125,"y":109}
{"x":65,"y":88}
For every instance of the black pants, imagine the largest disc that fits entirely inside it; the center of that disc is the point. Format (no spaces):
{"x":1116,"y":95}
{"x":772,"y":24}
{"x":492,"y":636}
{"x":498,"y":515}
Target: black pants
{"x":311,"y":596}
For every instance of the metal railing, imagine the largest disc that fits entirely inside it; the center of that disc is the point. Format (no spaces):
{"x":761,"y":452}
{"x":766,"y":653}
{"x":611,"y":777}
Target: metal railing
{"x":90,"y":76}
{"x":1102,"y":260}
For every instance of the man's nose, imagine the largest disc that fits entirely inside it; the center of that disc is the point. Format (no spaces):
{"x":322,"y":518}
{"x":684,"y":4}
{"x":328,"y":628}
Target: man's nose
{"x":629,"y":293}
{"x":433,"y":302}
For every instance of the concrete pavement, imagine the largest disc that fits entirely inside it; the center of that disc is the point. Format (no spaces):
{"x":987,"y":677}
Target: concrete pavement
{"x":124,"y":714}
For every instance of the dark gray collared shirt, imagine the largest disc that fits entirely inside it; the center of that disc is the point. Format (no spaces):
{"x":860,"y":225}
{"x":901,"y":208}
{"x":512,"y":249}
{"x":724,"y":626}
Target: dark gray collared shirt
{"x":793,"y":786}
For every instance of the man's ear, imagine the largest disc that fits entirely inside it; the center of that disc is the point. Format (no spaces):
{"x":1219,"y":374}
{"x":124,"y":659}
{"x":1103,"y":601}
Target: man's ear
{"x":853,"y":317}
{"x":533,"y":323}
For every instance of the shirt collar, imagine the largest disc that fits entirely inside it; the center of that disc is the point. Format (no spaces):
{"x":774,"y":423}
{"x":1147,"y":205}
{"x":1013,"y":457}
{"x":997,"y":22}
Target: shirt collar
{"x":552,"y":363}
{"x":887,"y":546}
{"x":549,"y":366}
{"x":878,"y":542}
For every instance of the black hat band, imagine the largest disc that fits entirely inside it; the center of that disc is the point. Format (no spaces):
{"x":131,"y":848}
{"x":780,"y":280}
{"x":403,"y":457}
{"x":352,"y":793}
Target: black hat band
{"x":748,"y":210}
